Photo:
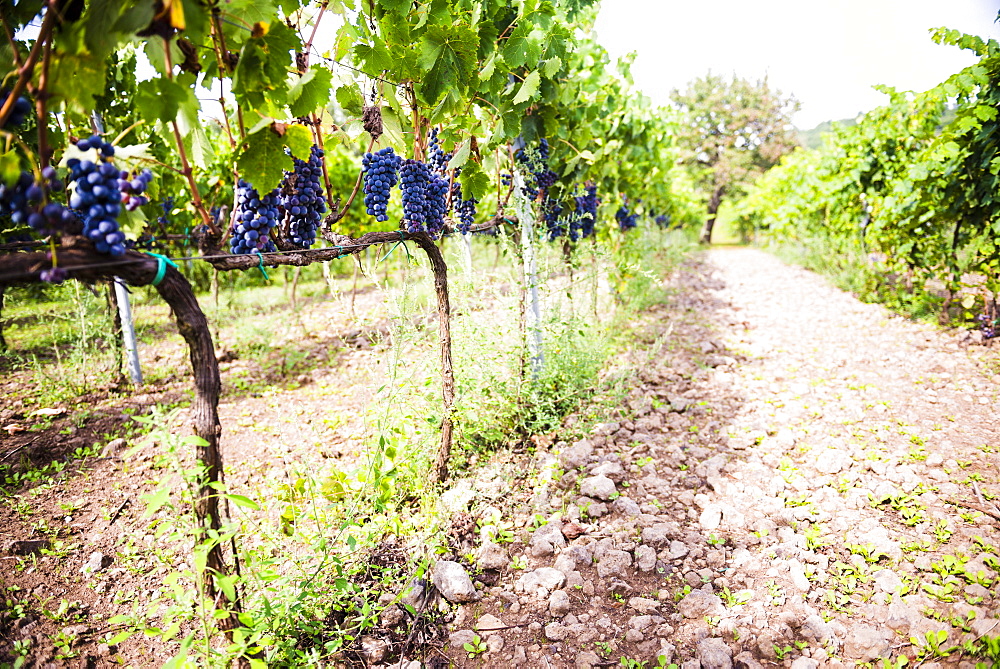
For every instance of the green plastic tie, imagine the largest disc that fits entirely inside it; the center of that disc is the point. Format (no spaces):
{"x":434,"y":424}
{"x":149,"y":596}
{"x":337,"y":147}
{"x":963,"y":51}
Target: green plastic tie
{"x":260,"y":266}
{"x":161,"y":266}
{"x":402,"y":240}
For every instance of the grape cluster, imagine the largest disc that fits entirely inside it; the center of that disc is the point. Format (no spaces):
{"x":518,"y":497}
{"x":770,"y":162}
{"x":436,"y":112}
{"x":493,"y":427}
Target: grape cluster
{"x":626,"y":220}
{"x":555,"y":226}
{"x":255,"y":217}
{"x":18,"y":114}
{"x":132,"y":188}
{"x":424,"y":198}
{"x":27,"y":201}
{"x":586,"y":206}
{"x":466,"y":209}
{"x":663,"y":220}
{"x":381,"y":170}
{"x":988,"y":326}
{"x":535,"y":161}
{"x":302,"y":199}
{"x":437,"y":159}
{"x":97,"y":196}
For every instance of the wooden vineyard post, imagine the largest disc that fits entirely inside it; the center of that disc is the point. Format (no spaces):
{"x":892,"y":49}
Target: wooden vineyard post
{"x":439,"y":471}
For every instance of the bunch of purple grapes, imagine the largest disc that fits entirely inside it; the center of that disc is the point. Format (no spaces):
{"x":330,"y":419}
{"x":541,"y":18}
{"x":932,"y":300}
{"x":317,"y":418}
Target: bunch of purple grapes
{"x":437,"y":159}
{"x":424,"y":198}
{"x":381,"y":170}
{"x":97,"y":196}
{"x":586,"y":206}
{"x":987,"y":325}
{"x":626,"y":220}
{"x":133,"y":188}
{"x":255,"y":217}
{"x":27,"y":202}
{"x":535,"y":162}
{"x":302,"y":199}
{"x":18,"y":114}
{"x":555,"y":226}
{"x":466,"y":209}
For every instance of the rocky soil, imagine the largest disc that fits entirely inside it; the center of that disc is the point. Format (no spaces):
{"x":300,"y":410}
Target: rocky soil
{"x":797,"y":479}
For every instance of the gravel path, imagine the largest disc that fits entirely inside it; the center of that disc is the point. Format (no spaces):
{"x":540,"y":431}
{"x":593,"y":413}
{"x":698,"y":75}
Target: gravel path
{"x":798,"y":479}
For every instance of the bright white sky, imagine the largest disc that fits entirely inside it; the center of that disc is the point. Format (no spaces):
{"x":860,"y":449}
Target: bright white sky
{"x":827,"y":53}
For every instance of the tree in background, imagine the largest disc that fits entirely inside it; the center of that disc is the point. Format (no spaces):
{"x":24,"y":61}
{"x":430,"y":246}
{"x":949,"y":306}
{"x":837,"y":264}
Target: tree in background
{"x":731,"y":132}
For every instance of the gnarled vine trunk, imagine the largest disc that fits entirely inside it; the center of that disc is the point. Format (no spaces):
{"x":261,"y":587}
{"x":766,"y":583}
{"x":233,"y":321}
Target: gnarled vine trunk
{"x":713,"y":210}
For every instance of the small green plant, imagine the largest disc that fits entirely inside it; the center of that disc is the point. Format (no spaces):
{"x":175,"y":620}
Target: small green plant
{"x":733,"y":599}
{"x":812,"y":534}
{"x":782,"y":652}
{"x":716,"y":541}
{"x":475,"y":648}
{"x":682,"y":593}
{"x":518,"y":562}
{"x":869,"y":552}
{"x":661,"y":663}
{"x":605,"y":647}
{"x":932,"y":645}
{"x":941,"y":531}
{"x":629,"y":663}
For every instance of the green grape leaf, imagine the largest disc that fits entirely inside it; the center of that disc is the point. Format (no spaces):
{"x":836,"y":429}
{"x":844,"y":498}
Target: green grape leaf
{"x":299,"y":140}
{"x":375,"y":58}
{"x":249,"y":12}
{"x":448,"y":54}
{"x":136,"y":17}
{"x":475,"y":182}
{"x":461,"y":155}
{"x":350,"y":100}
{"x":551,"y":67}
{"x":311,"y":91}
{"x":263,"y":161}
{"x":74,"y":78}
{"x":159,"y":99}
{"x":265,"y":60}
{"x":396,"y":6}
{"x":529,"y":88}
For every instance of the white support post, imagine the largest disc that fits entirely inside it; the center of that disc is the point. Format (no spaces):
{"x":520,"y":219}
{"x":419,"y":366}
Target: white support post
{"x":526,"y":216}
{"x":128,"y":331}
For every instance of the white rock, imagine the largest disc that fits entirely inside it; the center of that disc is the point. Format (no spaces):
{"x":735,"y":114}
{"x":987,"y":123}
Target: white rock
{"x":598,"y":487}
{"x":453,"y":582}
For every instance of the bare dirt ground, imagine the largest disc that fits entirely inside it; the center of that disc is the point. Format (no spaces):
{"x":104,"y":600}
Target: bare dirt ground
{"x":794,"y":479}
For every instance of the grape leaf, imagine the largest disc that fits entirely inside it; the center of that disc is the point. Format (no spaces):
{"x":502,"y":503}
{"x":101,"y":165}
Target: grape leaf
{"x":136,"y":17}
{"x":249,"y":12}
{"x":448,"y":55}
{"x":159,"y":99}
{"x":551,"y":67}
{"x":529,"y":88}
{"x":475,"y":182}
{"x":375,"y":58}
{"x":350,"y":99}
{"x":74,"y":78}
{"x":397,"y":6}
{"x":461,"y":155}
{"x":299,"y":141}
{"x":265,"y":60}
{"x":263,"y":161}
{"x":310,"y":91}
